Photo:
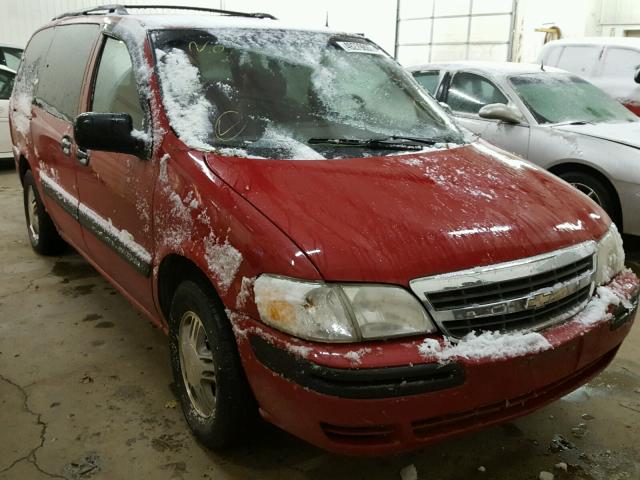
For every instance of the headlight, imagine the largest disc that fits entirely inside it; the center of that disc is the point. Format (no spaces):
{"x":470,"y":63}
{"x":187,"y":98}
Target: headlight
{"x":339,"y":313}
{"x":609,"y":256}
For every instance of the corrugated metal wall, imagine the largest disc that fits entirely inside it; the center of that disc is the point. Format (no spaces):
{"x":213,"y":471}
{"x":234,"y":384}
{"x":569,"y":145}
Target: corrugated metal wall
{"x":620,"y":12}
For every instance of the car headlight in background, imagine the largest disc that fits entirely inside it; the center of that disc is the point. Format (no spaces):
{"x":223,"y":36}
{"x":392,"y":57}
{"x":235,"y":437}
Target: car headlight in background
{"x":609,"y":256}
{"x":328,"y":312}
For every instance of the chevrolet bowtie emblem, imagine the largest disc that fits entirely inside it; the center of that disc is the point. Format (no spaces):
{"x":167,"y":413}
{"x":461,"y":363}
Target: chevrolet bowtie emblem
{"x":541,"y":299}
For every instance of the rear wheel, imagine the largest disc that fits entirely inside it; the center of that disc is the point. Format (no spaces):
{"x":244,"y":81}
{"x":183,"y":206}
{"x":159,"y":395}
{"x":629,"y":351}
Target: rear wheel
{"x":43,"y":235}
{"x":595,"y":189}
{"x":215,"y":397}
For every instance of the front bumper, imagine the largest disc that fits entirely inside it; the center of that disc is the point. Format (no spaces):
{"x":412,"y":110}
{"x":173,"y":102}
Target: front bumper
{"x":385,"y":397}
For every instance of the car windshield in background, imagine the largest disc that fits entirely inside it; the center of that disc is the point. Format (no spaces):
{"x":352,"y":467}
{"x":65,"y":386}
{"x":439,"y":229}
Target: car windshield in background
{"x":281,"y":94}
{"x":562,"y":98}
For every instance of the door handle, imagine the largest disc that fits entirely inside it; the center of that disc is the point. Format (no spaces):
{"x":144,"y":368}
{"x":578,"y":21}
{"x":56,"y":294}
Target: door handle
{"x":83,"y":157}
{"x":65,"y":145}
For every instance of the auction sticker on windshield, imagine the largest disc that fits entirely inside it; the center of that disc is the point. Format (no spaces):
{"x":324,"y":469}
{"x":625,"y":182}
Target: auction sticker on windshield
{"x":358,"y":47}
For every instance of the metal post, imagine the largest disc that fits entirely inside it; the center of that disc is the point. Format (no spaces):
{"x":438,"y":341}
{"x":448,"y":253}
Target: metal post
{"x":433,"y":23}
{"x":512,"y":31}
{"x":395,"y":47}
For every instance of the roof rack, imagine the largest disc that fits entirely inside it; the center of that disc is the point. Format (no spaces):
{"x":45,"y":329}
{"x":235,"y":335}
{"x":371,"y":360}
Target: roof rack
{"x":122,"y":10}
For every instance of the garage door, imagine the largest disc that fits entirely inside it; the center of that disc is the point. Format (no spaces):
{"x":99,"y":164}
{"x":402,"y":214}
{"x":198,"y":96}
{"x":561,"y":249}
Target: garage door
{"x":449,"y":30}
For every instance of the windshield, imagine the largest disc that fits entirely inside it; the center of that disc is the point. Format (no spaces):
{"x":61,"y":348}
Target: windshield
{"x":270,"y":92}
{"x":561,"y":98}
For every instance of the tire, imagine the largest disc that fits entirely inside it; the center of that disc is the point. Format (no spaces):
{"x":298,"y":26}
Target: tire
{"x":595,"y":189}
{"x":43,"y":235}
{"x":219,"y":408}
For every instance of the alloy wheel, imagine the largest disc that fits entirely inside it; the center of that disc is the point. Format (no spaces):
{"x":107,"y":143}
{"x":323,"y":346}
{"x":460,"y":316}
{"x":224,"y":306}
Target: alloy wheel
{"x":197,"y":365}
{"x":588,"y":191}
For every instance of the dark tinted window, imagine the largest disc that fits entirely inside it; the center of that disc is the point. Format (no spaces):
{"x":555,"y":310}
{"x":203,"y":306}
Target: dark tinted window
{"x":6,"y":84}
{"x":468,"y":93}
{"x":428,"y":80}
{"x":115,"y":90}
{"x":61,"y":76}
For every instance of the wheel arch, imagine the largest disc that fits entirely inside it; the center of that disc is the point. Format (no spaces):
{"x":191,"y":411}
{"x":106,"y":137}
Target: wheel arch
{"x":573,"y":166}
{"x":23,"y":166}
{"x":174,"y":269}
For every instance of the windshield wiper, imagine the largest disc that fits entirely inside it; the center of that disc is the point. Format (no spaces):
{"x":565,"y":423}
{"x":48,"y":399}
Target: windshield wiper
{"x":373,"y":143}
{"x":577,"y":122}
{"x":422,"y":141}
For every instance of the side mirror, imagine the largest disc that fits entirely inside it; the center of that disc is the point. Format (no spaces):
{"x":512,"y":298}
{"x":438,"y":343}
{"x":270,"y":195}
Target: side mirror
{"x":500,"y":111}
{"x":637,"y":76}
{"x":108,"y":132}
{"x":446,"y":108}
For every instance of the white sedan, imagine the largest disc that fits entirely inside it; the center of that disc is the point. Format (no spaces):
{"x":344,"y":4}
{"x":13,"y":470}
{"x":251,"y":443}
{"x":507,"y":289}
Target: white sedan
{"x":6,"y":85}
{"x":552,"y":118}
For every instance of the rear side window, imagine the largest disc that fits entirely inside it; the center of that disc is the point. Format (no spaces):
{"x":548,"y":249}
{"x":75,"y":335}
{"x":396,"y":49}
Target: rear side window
{"x":6,"y":84}
{"x":10,"y":57}
{"x":579,"y":59}
{"x":552,"y":56}
{"x":115,"y":88}
{"x":428,"y":80}
{"x":621,"y":62}
{"x":62,"y":74}
{"x":468,"y":93}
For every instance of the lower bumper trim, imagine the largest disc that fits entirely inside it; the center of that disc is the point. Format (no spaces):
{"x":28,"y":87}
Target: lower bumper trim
{"x":363,"y":383}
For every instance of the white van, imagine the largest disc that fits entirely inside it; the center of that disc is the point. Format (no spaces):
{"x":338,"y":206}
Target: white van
{"x":610,"y":63}
{"x":7,"y":77}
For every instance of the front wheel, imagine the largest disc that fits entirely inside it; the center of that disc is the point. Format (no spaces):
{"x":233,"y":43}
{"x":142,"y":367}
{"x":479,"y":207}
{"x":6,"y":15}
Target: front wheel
{"x":595,"y":189}
{"x":215,"y":397}
{"x":43,"y":235}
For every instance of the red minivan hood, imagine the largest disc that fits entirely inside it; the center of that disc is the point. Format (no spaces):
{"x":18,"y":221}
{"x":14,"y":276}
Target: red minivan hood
{"x":395,"y":218}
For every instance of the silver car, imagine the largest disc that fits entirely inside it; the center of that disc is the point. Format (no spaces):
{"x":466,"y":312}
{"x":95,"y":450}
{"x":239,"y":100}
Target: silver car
{"x":553,"y":118}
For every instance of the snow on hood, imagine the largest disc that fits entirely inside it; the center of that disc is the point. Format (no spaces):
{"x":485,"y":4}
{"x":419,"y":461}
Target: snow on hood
{"x":624,"y":133}
{"x":393,"y":219}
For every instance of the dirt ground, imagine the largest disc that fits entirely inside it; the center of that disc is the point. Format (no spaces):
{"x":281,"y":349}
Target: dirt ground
{"x":85,"y":393}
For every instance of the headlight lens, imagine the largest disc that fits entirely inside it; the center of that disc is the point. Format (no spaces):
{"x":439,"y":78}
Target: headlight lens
{"x":609,"y":256}
{"x":339,"y":313}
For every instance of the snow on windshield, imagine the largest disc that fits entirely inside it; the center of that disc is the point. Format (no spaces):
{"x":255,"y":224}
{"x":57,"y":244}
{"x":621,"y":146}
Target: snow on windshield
{"x":266,"y":93}
{"x":184,"y":100}
{"x":559,"y":98}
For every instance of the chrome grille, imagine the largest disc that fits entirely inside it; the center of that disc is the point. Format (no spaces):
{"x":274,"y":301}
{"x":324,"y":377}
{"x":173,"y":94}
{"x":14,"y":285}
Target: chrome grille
{"x":527,"y":294}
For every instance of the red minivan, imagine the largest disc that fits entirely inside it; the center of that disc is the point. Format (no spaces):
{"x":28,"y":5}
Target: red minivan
{"x":319,"y":240}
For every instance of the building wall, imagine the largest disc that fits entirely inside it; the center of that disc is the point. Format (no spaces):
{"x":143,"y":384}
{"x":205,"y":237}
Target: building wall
{"x":20,"y":18}
{"x":574,"y":18}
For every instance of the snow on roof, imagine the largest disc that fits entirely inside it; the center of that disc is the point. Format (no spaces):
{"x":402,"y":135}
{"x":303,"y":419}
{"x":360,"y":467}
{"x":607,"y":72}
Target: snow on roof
{"x":152,"y":21}
{"x":616,"y":41}
{"x":493,"y":68}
